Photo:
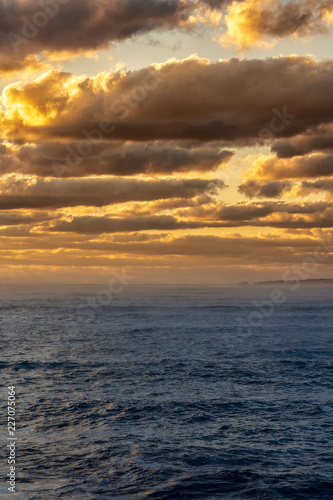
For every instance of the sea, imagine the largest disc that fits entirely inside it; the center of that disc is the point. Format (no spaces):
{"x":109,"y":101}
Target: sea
{"x":168,"y":392}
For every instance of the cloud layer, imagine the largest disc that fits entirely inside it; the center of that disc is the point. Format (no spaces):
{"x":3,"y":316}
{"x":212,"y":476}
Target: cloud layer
{"x":126,"y":168}
{"x":115,"y":158}
{"x":38,"y":193}
{"x":32,"y":31}
{"x":31,"y":27}
{"x":231,"y":101}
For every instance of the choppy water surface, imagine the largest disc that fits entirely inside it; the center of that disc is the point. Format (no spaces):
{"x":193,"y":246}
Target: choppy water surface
{"x":163,"y":394}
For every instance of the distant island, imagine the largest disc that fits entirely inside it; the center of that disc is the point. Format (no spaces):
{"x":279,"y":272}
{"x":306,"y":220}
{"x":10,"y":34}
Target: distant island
{"x":286,"y":282}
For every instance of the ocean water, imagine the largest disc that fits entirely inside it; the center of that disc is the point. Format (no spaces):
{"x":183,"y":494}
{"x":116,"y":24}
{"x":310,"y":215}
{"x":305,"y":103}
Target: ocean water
{"x":177,"y":392}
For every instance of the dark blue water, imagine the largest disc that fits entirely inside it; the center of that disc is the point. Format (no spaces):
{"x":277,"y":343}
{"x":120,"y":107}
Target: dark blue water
{"x":168,"y":393}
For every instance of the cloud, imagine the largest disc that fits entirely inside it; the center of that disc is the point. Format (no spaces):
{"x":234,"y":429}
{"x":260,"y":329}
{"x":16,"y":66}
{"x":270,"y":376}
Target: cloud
{"x":298,"y":167}
{"x":268,"y":214}
{"x":33,"y":30}
{"x":13,"y":219}
{"x":16,"y":232}
{"x":275,"y":189}
{"x":36,"y":193}
{"x":168,"y":205}
{"x":100,"y":225}
{"x":260,"y":23}
{"x":308,"y":187}
{"x":272,"y":177}
{"x":317,"y":139}
{"x":215,"y":250}
{"x":115,"y":158}
{"x":92,"y":225}
{"x":245,"y":211}
{"x":264,"y":189}
{"x":10,"y":63}
{"x":69,"y":27}
{"x":230,"y":101}
{"x":253,"y":249}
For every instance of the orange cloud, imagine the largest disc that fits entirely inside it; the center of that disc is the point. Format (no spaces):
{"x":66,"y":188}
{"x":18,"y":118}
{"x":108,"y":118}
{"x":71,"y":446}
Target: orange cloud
{"x":261,"y":23}
{"x":231,"y":101}
{"x":298,"y":167}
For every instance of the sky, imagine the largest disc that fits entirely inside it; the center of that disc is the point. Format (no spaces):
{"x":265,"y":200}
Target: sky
{"x":175,"y":141}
